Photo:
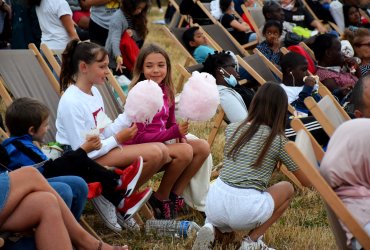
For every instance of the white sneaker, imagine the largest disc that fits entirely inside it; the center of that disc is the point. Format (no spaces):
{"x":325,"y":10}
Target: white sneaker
{"x":129,"y":224}
{"x":107,"y":212}
{"x":205,"y":238}
{"x":248,"y":244}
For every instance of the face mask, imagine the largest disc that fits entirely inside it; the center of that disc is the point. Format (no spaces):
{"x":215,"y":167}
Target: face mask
{"x":231,"y":80}
{"x":289,"y":7}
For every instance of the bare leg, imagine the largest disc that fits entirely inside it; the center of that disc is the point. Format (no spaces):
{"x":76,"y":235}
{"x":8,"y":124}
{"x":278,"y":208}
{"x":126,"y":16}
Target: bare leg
{"x":201,"y":151}
{"x":28,"y":180}
{"x":181,"y":154}
{"x":155,"y":155}
{"x":282,"y":193}
{"x":40,"y":210}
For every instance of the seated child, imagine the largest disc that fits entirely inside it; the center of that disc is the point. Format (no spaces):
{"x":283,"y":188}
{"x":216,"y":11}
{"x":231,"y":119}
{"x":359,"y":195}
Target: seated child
{"x":196,"y":43}
{"x":25,"y":127}
{"x":296,"y":81}
{"x":271,"y":46}
{"x":240,"y":198}
{"x":345,"y":167}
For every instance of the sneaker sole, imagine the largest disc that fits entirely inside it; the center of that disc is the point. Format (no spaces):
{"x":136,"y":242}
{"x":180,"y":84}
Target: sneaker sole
{"x":116,"y":228}
{"x":131,"y":186}
{"x":138,"y":205}
{"x":204,"y":240}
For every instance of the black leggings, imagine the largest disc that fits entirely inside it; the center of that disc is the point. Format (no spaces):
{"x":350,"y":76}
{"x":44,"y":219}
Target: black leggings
{"x":97,"y":33}
{"x":78,"y":163}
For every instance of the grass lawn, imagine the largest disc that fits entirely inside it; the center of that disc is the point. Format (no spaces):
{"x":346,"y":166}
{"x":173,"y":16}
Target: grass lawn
{"x":303,"y":226}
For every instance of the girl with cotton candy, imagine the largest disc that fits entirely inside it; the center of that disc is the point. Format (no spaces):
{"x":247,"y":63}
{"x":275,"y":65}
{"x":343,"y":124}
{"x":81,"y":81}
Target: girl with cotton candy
{"x":187,"y":156}
{"x":83,"y":65}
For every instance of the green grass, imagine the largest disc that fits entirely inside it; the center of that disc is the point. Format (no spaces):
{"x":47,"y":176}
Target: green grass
{"x":303,"y":226}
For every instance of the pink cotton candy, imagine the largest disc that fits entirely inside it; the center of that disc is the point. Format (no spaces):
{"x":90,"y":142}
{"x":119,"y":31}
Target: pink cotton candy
{"x":199,"y":99}
{"x":144,"y":100}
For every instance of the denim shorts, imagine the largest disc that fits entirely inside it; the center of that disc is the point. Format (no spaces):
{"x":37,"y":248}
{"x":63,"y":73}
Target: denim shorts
{"x":4,"y":189}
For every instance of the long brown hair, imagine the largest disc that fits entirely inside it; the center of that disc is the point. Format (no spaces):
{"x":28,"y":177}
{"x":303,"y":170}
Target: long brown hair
{"x":138,"y":73}
{"x":139,"y":21}
{"x":75,"y":52}
{"x":268,"y":107}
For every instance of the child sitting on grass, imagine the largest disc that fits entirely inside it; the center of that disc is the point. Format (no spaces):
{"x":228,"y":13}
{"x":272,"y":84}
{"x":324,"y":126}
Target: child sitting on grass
{"x":240,"y":198}
{"x":270,"y":48}
{"x":25,"y":127}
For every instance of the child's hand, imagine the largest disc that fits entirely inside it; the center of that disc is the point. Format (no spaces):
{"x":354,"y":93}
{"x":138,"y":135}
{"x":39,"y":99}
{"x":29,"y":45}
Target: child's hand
{"x":119,"y":62}
{"x":130,"y":32}
{"x":183,"y":128}
{"x":92,"y":143}
{"x":126,"y":134}
{"x":309,"y":81}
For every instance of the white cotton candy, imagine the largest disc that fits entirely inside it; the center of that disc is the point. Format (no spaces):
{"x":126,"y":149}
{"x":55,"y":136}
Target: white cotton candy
{"x":144,"y":100}
{"x":199,"y":99}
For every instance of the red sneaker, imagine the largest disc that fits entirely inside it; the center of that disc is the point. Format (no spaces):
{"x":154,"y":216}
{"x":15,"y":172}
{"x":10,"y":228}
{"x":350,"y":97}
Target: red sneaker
{"x":133,"y":203}
{"x":130,"y":176}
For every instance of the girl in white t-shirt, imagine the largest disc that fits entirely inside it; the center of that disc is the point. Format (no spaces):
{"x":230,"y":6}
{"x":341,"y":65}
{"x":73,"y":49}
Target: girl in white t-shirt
{"x":55,"y":19}
{"x":83,"y":65}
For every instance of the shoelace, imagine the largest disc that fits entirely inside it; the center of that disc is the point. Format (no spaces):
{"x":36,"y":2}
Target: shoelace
{"x":166,"y":210}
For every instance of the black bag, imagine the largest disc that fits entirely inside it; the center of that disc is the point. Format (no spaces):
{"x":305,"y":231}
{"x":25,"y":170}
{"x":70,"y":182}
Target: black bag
{"x":292,"y":39}
{"x":246,"y":93}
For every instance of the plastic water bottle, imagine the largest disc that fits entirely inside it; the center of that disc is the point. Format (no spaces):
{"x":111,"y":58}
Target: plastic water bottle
{"x":172,"y":228}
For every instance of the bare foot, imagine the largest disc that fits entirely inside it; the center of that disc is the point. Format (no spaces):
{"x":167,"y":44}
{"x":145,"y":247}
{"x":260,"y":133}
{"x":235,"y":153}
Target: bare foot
{"x":106,"y":246}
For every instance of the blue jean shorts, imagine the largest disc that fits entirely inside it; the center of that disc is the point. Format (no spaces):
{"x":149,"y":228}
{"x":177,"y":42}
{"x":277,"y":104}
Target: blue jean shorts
{"x":4,"y":189}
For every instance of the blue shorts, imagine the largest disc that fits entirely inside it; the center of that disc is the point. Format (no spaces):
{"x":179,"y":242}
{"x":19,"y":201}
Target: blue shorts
{"x":4,"y":189}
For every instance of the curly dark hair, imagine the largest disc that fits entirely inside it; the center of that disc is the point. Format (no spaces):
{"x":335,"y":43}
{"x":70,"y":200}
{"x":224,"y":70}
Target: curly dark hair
{"x":216,"y":60}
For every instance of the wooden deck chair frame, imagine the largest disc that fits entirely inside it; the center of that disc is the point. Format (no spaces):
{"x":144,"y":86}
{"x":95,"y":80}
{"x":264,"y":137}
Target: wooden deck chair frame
{"x":269,"y":64}
{"x":364,"y":14}
{"x":182,"y":18}
{"x":327,"y":193}
{"x":207,"y":11}
{"x":331,"y":24}
{"x":189,"y":58}
{"x":252,"y":22}
{"x":320,"y":116}
{"x":50,"y":56}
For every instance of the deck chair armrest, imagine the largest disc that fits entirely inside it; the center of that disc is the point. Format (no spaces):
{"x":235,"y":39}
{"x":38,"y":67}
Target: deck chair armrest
{"x":250,"y":44}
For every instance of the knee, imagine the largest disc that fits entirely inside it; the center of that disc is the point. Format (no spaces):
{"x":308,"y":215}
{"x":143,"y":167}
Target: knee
{"x":185,"y":154}
{"x":164,"y":152}
{"x":202,"y":148}
{"x":288,"y":189}
{"x":49,"y":201}
{"x":158,"y":154}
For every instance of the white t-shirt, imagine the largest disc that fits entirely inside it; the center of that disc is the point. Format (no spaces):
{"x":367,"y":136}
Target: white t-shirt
{"x":292,"y":92}
{"x":77,"y":112}
{"x":54,"y":35}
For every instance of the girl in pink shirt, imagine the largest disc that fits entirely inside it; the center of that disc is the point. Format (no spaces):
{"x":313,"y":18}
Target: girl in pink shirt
{"x":153,"y":63}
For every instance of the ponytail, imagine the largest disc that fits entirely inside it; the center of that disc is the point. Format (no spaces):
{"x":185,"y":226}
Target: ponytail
{"x":67,"y":70}
{"x":75,"y":52}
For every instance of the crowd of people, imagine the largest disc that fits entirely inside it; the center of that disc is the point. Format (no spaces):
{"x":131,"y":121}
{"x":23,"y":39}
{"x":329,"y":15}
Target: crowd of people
{"x":99,"y":36}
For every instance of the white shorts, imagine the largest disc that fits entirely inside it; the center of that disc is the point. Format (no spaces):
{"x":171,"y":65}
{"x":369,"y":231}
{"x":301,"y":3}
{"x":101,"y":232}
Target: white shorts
{"x":230,"y":209}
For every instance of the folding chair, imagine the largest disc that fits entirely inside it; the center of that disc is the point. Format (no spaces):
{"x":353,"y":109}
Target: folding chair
{"x":257,"y":15}
{"x":331,"y":24}
{"x":206,"y":7}
{"x":221,"y":39}
{"x":177,"y":19}
{"x":254,"y":20}
{"x":327,"y":112}
{"x":303,"y":154}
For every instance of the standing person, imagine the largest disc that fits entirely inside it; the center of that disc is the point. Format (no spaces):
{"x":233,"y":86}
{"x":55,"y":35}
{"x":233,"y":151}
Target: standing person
{"x":85,"y":64}
{"x":240,"y":199}
{"x":187,"y":154}
{"x":27,"y":203}
{"x":130,"y":18}
{"x":101,"y":12}
{"x":239,"y":29}
{"x":270,"y":48}
{"x":55,"y":19}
